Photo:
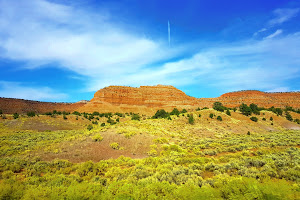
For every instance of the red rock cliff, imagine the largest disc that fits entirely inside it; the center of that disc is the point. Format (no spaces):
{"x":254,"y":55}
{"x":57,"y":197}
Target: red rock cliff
{"x":262,"y":99}
{"x":10,"y":106}
{"x":142,"y":99}
{"x":148,"y":99}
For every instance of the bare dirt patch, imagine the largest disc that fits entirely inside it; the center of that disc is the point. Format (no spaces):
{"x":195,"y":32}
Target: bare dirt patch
{"x":290,"y":125}
{"x":80,"y":151}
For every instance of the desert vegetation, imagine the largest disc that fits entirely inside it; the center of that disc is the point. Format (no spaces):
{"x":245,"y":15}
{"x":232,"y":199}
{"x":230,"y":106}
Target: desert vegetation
{"x":198,"y":154}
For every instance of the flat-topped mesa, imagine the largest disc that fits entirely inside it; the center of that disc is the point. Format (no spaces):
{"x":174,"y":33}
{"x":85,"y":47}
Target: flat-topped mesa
{"x":262,"y":99}
{"x":148,"y":99}
{"x":144,"y":98}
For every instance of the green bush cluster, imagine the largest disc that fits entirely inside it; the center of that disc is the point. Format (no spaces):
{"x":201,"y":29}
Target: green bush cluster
{"x":136,"y":117}
{"x":89,"y":127}
{"x":191,"y":119}
{"x":31,"y":114}
{"x":164,"y":114}
{"x":15,"y":115}
{"x":254,"y":119}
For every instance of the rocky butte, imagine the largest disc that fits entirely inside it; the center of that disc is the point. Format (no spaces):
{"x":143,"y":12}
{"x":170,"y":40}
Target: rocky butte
{"x":148,"y":99}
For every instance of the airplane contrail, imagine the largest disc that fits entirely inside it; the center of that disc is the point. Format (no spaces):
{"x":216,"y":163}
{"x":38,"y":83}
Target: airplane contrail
{"x":169,"y":33}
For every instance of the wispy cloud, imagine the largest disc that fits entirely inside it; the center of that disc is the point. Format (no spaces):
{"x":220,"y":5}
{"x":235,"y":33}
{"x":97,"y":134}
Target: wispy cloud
{"x":18,"y":90}
{"x":260,"y":31}
{"x":87,"y":43}
{"x":283,"y":15}
{"x":95,"y":47}
{"x":263,"y":65}
{"x":276,"y":33}
{"x":280,"y":16}
{"x":280,"y":89}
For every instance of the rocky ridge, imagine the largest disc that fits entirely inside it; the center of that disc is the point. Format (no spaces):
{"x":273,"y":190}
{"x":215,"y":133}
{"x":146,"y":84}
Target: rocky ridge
{"x":148,"y":99}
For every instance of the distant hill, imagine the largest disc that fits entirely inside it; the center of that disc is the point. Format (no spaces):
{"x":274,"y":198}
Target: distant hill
{"x":148,"y":99}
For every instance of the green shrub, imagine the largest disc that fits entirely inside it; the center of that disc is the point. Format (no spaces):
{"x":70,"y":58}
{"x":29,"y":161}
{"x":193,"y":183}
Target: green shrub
{"x":90,"y":127}
{"x":16,"y":115}
{"x":65,"y":113}
{"x":31,"y":114}
{"x":277,"y":111}
{"x":245,"y":110}
{"x":254,"y":119}
{"x":211,"y":115}
{"x":136,"y":117}
{"x":175,"y":111}
{"x":264,"y":119}
{"x":76,"y":113}
{"x":271,"y":118}
{"x":65,"y":117}
{"x":161,"y":114}
{"x":254,"y":109}
{"x":120,"y":114}
{"x":228,"y":113}
{"x":191,"y":119}
{"x":218,"y":106}
{"x":111,"y":121}
{"x":103,"y":124}
{"x":184,"y":111}
{"x":48,"y":113}
{"x":219,"y":118}
{"x":96,"y":113}
{"x":1,"y":112}
{"x":288,"y":116}
{"x":199,"y":115}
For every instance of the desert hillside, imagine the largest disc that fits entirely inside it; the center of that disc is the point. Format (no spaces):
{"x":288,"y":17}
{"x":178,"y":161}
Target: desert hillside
{"x":148,"y":99}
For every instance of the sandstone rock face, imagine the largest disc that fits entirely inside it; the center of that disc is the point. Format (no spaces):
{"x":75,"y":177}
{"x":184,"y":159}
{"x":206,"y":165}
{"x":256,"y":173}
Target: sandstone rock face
{"x":143,"y":99}
{"x":262,"y":99}
{"x":148,"y":99}
{"x":10,"y":106}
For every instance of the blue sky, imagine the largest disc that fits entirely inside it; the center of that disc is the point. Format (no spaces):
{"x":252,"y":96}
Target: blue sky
{"x":66,"y":50}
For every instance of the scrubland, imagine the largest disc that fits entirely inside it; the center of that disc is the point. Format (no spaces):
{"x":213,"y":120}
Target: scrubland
{"x":216,"y":155}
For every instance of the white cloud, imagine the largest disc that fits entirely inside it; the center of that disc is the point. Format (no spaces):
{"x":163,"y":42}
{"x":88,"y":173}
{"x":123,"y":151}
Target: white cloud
{"x":262,"y":65}
{"x":90,"y":44}
{"x":260,"y":31}
{"x":283,"y":15}
{"x":280,"y":89}
{"x":276,"y":33}
{"x":17,"y":90}
{"x":94,"y":47}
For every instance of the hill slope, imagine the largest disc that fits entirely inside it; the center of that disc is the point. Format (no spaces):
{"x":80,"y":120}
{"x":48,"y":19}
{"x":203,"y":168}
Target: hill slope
{"x":148,"y":99}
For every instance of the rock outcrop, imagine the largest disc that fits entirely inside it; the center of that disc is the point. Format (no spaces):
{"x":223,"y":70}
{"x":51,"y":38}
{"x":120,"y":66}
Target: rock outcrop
{"x":262,"y":99}
{"x":148,"y":99}
{"x":10,"y":106}
{"x":144,"y":99}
